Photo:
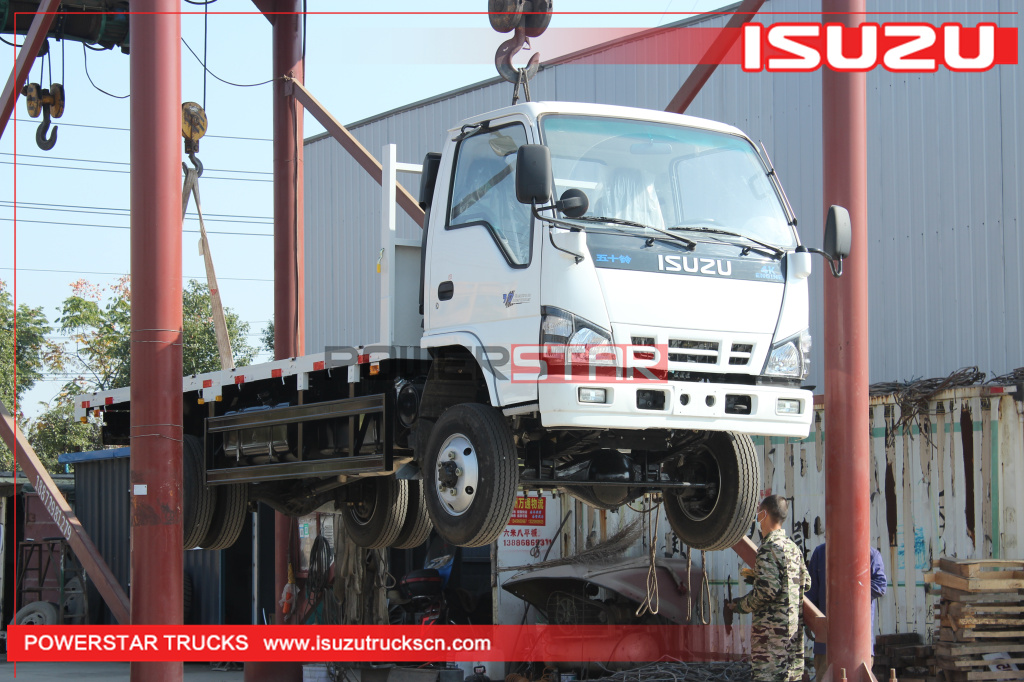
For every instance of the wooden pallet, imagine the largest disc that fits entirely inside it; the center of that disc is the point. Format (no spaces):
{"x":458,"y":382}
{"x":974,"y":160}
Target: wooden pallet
{"x":955,"y":676}
{"x":978,"y":648}
{"x":970,"y":568}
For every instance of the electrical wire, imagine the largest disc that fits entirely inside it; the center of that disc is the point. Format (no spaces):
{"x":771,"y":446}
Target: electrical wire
{"x":125,"y":274}
{"x":96,"y":127}
{"x":10,"y":43}
{"x":200,"y":2}
{"x":125,"y":163}
{"x":126,"y":227}
{"x":85,"y":60}
{"x":115,"y":170}
{"x":237,"y":85}
{"x":30,"y":205}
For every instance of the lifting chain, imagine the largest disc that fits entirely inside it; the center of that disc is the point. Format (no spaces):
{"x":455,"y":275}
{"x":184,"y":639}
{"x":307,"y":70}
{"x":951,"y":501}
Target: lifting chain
{"x":525,"y":19}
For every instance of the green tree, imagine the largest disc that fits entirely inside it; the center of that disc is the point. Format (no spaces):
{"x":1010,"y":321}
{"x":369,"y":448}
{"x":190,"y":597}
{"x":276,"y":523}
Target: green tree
{"x":56,"y":431}
{"x":31,"y":351}
{"x":99,"y":351}
{"x":200,"y":350}
{"x":267,"y":337}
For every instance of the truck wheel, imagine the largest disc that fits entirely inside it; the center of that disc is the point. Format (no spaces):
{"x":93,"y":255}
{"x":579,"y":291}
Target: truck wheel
{"x":417,"y":526}
{"x":228,"y":516}
{"x":37,"y":613}
{"x":470,"y":475}
{"x":716,"y":516}
{"x":199,"y":499}
{"x":376,"y":518}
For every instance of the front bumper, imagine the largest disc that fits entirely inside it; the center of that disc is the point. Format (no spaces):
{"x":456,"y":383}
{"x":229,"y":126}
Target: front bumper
{"x":705,"y":408}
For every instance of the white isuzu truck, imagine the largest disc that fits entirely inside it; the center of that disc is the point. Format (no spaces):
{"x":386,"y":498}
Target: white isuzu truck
{"x":628,"y":337}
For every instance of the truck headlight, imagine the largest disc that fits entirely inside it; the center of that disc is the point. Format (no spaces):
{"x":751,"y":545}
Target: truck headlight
{"x":584,"y":342}
{"x":790,"y":357}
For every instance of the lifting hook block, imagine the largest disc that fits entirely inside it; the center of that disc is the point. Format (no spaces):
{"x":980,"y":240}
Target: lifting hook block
{"x":508,"y":49}
{"x":45,"y":101}
{"x":46,"y":143}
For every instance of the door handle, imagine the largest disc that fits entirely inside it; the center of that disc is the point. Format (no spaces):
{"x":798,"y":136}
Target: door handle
{"x":445,"y":290}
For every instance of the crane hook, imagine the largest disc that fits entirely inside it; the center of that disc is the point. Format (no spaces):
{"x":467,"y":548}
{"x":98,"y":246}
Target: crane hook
{"x":46,"y":143}
{"x":508,"y":49}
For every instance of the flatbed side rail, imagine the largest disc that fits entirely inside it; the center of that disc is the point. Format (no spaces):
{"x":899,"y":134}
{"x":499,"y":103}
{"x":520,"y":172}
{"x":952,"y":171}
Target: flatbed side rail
{"x":348,"y":465}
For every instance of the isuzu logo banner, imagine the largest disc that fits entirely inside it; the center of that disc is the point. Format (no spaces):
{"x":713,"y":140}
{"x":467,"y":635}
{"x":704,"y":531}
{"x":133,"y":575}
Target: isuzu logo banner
{"x":904,"y":47}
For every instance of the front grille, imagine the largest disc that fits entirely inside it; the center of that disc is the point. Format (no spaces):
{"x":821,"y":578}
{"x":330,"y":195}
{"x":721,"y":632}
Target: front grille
{"x":740,"y":353}
{"x":700,"y":352}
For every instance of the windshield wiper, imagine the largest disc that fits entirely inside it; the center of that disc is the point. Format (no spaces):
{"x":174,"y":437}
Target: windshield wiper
{"x":690,"y":244}
{"x":766,"y":249}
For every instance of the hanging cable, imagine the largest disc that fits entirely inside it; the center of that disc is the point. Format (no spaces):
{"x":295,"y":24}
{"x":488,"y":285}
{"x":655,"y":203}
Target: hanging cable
{"x":85,"y":59}
{"x":237,"y":85}
{"x":10,"y":43}
{"x":652,"y":602}
{"x":206,"y":32}
{"x":200,"y":2}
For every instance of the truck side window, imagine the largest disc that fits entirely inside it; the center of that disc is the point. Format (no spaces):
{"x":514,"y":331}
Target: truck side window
{"x":484,"y":192}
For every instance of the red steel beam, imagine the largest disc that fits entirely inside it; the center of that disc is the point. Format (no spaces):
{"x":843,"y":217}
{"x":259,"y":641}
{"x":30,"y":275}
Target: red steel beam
{"x":813,"y":618}
{"x":362,"y":156}
{"x":289,"y":303}
{"x":30,"y":46}
{"x":714,"y":55}
{"x":267,"y":8}
{"x":847,"y":430}
{"x":59,"y":509}
{"x":156,"y":364}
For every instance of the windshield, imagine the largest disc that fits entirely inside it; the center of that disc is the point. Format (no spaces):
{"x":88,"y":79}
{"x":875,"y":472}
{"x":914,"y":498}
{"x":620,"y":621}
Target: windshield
{"x":666,"y":176}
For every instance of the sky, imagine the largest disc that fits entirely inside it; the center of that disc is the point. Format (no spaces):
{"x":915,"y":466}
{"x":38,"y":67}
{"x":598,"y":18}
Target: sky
{"x":73,"y":200}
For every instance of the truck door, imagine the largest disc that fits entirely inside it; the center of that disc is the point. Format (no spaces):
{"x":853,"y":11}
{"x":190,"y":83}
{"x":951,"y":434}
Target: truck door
{"x":483,"y":263}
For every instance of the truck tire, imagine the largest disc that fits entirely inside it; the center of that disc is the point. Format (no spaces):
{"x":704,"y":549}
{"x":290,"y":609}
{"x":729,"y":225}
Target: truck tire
{"x":417,"y":526}
{"x":199,"y":499}
{"x":715,"y":518}
{"x":377,"y":518}
{"x":228,"y":516}
{"x":37,"y":613}
{"x":470,"y":475}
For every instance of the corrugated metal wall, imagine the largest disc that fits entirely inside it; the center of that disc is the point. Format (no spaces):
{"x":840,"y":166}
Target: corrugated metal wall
{"x":103,"y":505}
{"x":944,"y":191}
{"x":949,"y":492}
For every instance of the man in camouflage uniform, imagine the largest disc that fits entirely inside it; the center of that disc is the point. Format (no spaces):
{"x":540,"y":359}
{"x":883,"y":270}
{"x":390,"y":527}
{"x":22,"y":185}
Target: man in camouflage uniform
{"x":777,"y":635}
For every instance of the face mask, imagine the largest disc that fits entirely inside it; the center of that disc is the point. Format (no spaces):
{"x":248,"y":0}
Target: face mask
{"x":761,"y":516}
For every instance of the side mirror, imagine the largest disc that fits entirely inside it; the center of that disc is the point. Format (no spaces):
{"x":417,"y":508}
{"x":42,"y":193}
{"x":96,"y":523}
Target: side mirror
{"x":573,"y":203}
{"x":837,"y":233}
{"x":838,"y":236}
{"x":533,"y":174}
{"x":428,"y":178}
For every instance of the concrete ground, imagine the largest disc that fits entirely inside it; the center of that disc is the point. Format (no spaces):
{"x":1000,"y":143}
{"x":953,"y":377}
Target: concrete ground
{"x":115,"y":672}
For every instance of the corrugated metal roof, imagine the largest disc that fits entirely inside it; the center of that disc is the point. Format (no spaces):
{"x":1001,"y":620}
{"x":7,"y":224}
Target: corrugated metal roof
{"x":92,"y":455}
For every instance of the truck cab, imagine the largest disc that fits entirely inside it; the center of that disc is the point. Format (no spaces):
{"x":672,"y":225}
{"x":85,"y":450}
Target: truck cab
{"x":635,"y":343}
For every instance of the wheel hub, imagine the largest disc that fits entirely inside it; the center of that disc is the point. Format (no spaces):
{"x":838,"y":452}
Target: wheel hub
{"x":700,"y":468}
{"x":457,"y":474}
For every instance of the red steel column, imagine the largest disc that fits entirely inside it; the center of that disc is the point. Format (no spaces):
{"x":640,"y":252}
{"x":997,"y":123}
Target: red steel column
{"x":289,"y":307}
{"x":289,"y":304}
{"x":156,"y":432}
{"x":847,"y":436}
